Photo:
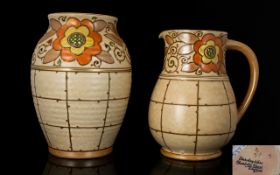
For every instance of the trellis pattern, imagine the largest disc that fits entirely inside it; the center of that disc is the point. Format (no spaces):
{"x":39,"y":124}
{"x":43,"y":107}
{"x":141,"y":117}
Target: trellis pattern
{"x":185,"y":115}
{"x":69,"y":120}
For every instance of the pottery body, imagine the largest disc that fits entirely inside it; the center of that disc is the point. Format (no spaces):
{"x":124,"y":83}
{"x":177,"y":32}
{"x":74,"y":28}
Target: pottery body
{"x":81,"y":79}
{"x":193,"y":110}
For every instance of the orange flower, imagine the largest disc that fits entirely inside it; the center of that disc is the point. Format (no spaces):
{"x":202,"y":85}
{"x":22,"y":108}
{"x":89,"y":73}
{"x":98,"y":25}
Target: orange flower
{"x":208,"y":53}
{"x":77,"y":40}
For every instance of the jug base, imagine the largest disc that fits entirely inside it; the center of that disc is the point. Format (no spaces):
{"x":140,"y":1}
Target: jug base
{"x":80,"y":154}
{"x":198,"y":157}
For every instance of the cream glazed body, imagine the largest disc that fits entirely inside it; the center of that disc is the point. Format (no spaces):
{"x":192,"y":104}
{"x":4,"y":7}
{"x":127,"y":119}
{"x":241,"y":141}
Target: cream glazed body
{"x":81,"y":79}
{"x":193,"y":110}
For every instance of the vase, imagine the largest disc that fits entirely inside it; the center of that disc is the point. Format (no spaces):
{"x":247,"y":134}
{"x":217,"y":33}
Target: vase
{"x":193,"y":112}
{"x":80,"y":79}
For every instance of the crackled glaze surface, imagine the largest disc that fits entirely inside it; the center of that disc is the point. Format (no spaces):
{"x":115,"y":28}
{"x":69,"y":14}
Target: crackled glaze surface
{"x":81,"y":78}
{"x":193,"y":111}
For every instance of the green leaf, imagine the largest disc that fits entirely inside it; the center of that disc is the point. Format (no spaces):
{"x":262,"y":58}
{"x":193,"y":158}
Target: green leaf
{"x":59,"y":62}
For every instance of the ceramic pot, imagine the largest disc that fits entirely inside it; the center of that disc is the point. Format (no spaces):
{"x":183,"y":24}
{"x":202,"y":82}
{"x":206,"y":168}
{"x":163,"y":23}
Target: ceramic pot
{"x":193,"y":111}
{"x":81,"y":79}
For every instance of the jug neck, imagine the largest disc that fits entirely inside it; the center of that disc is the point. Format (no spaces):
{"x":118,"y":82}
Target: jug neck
{"x":194,"y":53}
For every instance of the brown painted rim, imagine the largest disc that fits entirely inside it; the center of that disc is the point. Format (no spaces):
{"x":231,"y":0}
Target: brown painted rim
{"x":190,"y":157}
{"x":80,"y":154}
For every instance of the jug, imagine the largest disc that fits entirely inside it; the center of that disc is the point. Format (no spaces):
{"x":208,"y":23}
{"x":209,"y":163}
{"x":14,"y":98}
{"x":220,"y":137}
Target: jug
{"x":192,"y":111}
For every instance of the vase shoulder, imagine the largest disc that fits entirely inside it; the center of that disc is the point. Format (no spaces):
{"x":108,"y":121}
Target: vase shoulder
{"x":81,"y":40}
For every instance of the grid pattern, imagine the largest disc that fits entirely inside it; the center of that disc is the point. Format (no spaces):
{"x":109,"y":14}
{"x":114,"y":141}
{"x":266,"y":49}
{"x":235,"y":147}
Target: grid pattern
{"x":74,"y":121}
{"x":99,"y":100}
{"x":186,"y":134}
{"x":106,"y":112}
{"x":38,"y":108}
{"x":197,"y":119}
{"x":67,"y":110}
{"x":197,"y":103}
{"x":193,"y":78}
{"x":189,"y":105}
{"x":161,"y":113}
{"x":77,"y":127}
{"x":229,"y":110}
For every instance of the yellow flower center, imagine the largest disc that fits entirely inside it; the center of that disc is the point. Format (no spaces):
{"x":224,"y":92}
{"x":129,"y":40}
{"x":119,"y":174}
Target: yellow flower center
{"x":210,"y":52}
{"x":76,"y":39}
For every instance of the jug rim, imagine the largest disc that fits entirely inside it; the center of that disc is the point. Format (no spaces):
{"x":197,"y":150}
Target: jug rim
{"x":81,"y":14}
{"x":194,"y":31}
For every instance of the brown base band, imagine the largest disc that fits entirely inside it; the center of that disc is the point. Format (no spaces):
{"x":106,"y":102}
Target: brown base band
{"x":80,"y":154}
{"x":198,"y":157}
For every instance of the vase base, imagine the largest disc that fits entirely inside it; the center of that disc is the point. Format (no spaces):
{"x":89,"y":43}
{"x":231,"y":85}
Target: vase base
{"x":198,"y":157}
{"x":80,"y":154}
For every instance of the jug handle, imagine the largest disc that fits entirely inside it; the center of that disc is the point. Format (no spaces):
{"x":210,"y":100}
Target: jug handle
{"x":254,"y":72}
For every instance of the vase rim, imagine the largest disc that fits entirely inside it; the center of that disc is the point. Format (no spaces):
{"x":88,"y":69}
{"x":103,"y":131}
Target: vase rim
{"x":73,"y":14}
{"x":193,"y":31}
